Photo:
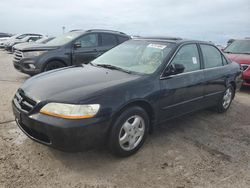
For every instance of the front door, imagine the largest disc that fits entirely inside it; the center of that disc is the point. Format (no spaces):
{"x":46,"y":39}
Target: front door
{"x":85,"y":49}
{"x":182,"y":93}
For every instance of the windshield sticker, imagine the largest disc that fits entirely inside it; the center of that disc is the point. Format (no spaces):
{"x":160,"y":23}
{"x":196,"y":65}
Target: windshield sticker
{"x":158,"y":46}
{"x":194,"y":60}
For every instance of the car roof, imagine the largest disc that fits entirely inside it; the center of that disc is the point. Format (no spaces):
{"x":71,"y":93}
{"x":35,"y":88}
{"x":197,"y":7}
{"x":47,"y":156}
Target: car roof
{"x":101,"y":31}
{"x":176,"y":40}
{"x":245,"y":39}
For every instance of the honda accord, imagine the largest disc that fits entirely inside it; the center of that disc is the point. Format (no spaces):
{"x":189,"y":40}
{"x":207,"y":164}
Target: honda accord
{"x":124,"y":94}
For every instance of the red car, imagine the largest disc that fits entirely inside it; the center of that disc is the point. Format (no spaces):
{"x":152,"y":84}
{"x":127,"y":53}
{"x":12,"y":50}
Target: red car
{"x":239,"y":51}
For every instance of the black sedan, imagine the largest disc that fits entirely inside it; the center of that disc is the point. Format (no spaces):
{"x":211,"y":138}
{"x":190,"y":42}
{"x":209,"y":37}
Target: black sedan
{"x":124,"y":94}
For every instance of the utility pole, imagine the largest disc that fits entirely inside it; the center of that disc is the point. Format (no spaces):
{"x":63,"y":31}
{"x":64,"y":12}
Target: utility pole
{"x":63,"y":28}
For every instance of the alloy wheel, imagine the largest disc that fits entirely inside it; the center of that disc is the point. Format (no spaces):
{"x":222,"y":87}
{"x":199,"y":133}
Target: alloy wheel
{"x":227,"y":98}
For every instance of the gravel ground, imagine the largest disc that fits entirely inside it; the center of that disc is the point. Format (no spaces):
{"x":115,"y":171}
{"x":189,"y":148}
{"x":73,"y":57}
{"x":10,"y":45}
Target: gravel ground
{"x":204,"y":149}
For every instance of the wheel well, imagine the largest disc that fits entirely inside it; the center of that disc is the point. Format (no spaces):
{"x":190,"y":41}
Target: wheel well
{"x":146,"y":106}
{"x":53,"y":60}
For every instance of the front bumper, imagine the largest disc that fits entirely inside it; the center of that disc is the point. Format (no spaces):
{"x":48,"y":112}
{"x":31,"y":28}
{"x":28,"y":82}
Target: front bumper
{"x":246,"y":77}
{"x":63,"y":134}
{"x":23,"y":66}
{"x":8,"y":48}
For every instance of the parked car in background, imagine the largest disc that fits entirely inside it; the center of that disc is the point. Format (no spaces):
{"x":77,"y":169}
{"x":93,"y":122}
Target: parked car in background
{"x":15,"y":37}
{"x":230,"y":41}
{"x":4,"y":35}
{"x":30,"y":38}
{"x":124,"y":94}
{"x":3,"y":38}
{"x":43,"y":40}
{"x":72,"y":48}
{"x":239,"y":51}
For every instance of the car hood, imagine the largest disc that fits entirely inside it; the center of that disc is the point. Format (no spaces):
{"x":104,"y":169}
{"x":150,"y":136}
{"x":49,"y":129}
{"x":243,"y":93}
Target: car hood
{"x":239,"y":58}
{"x":74,"y":84}
{"x":34,"y":47}
{"x":23,"y":45}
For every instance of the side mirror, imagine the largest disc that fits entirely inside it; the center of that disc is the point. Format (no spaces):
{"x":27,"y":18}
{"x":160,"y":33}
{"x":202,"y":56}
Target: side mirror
{"x":178,"y":68}
{"x":77,"y":45}
{"x":30,"y":40}
{"x":175,"y":69}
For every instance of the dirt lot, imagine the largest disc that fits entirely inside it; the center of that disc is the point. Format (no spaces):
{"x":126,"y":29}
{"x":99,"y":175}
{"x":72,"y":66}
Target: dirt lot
{"x":204,"y":149}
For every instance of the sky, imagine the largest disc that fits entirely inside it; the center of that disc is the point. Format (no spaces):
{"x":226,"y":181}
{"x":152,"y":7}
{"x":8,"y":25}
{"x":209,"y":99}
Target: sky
{"x":211,"y":20}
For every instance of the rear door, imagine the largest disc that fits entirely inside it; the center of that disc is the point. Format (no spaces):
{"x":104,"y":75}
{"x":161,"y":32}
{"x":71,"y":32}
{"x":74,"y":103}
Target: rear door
{"x":85,"y":48}
{"x":215,"y":73}
{"x":182,"y":93}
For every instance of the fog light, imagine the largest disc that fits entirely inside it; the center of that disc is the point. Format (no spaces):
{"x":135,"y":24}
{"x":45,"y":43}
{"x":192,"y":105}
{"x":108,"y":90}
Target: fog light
{"x":32,"y":66}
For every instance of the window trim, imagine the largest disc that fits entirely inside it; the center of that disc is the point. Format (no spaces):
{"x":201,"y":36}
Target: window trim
{"x":173,"y":56}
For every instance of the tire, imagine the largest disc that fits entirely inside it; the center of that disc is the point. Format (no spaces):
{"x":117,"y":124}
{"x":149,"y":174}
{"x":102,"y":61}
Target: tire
{"x":53,"y":65}
{"x":129,"y":132}
{"x":226,"y":99}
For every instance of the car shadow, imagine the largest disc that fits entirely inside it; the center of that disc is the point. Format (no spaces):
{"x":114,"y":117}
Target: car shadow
{"x":100,"y":157}
{"x":203,"y":129}
{"x":245,"y":89}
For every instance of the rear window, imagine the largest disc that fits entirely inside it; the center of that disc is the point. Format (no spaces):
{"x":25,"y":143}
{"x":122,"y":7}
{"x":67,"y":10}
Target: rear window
{"x":122,"y":39}
{"x":108,"y":40}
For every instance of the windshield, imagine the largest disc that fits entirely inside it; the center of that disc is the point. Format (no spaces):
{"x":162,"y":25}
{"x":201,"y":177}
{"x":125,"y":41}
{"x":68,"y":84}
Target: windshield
{"x":22,"y":36}
{"x":25,"y":39}
{"x":64,"y":39}
{"x":239,"y":47}
{"x":136,"y":56}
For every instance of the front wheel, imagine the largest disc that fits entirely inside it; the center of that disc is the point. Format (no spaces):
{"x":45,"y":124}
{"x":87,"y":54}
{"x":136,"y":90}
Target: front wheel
{"x":129,"y":132}
{"x":226,"y":99}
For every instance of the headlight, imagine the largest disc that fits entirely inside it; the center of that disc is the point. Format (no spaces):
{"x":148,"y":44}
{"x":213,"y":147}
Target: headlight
{"x":33,"y":53}
{"x":70,"y":111}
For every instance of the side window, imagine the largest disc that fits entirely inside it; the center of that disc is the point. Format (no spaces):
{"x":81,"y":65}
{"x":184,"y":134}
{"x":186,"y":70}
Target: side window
{"x":188,"y":56}
{"x":90,"y":40}
{"x":34,"y":38}
{"x":108,"y":40}
{"x":211,"y":56}
{"x":122,"y":39}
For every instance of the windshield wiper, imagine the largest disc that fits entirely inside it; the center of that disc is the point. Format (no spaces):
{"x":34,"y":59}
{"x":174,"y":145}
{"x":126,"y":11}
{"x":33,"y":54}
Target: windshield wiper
{"x":112,"y":67}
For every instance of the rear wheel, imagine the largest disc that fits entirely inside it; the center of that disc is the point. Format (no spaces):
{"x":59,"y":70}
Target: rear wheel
{"x":129,"y":132}
{"x":53,"y":65}
{"x":226,"y":99}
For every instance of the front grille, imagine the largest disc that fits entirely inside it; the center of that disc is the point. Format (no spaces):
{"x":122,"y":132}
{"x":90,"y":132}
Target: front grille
{"x":244,"y":67}
{"x":18,"y":56}
{"x":23,"y":102}
{"x":247,"y":81}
